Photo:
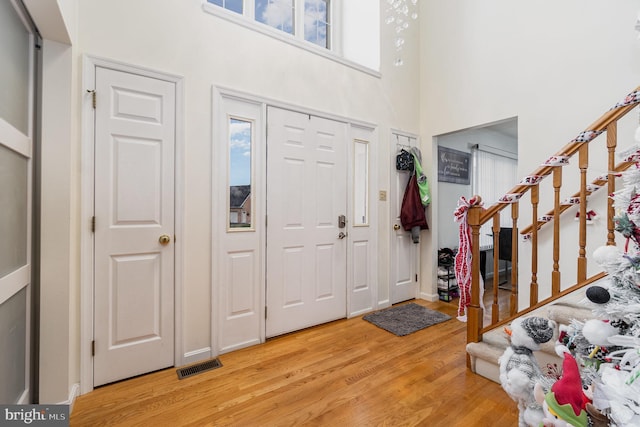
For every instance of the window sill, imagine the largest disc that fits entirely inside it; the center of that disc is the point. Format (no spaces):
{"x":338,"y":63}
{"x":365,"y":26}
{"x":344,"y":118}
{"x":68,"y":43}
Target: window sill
{"x":284,"y":37}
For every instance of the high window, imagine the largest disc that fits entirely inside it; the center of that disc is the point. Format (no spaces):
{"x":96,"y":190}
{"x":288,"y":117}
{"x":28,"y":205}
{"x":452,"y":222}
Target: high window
{"x":232,"y":5}
{"x":347,"y":32}
{"x":316,"y":22}
{"x":308,"y":20}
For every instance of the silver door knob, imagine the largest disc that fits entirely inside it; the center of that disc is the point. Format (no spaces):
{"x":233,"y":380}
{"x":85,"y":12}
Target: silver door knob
{"x":341,"y":235}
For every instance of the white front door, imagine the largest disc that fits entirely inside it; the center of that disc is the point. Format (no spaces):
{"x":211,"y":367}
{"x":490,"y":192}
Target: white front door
{"x":134,"y":225}
{"x":404,"y":281}
{"x":306,"y":195}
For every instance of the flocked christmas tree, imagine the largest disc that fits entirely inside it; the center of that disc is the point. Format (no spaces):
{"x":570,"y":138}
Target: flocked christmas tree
{"x":608,"y":348}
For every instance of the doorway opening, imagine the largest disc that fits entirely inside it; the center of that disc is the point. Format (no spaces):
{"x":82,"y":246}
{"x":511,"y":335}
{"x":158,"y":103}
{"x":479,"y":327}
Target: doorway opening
{"x":492,"y":150}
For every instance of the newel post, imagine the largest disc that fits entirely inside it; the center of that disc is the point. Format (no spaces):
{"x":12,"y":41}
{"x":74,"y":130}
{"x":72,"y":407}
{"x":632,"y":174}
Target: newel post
{"x":475,"y":312}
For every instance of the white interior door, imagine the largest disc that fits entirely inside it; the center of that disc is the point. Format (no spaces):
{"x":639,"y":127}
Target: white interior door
{"x":134,"y":225}
{"x":404,"y":281}
{"x":306,"y":195}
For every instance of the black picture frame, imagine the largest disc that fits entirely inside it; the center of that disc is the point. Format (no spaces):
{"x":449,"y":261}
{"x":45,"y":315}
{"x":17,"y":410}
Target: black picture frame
{"x":454,"y":166}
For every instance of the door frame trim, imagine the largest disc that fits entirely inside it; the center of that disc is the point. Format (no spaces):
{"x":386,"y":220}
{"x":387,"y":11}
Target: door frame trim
{"x":392,"y":233}
{"x":222,"y":91}
{"x":89,"y":65}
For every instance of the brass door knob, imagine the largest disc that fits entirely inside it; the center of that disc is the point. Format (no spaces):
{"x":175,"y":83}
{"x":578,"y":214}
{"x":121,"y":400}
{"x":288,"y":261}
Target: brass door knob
{"x":396,"y":227}
{"x":165,"y":239}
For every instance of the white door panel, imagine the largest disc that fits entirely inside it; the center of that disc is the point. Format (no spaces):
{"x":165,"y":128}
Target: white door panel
{"x":362,"y":254}
{"x":134,"y":206}
{"x":306,"y":193}
{"x":404,"y":285}
{"x":238,"y":265}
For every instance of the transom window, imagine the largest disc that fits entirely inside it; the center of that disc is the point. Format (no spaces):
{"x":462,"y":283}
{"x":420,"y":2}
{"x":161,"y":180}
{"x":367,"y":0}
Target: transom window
{"x":232,"y":5}
{"x":316,"y":22}
{"x":278,"y":14}
{"x":305,"y":19}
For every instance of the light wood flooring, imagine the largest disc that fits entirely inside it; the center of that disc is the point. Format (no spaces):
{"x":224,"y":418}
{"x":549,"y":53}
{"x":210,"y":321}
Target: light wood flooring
{"x":344,"y":373}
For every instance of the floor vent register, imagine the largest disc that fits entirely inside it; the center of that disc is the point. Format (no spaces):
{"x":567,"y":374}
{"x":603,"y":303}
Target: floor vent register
{"x":198,"y":368}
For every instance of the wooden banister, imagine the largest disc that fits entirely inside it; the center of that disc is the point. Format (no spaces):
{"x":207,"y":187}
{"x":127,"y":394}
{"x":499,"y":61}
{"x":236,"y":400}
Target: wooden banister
{"x":612,"y":142}
{"x":555,"y":274}
{"x":582,"y":251}
{"x":513,"y":297}
{"x":533,"y":287}
{"x":495,"y":307}
{"x":621,"y":167}
{"x":474,"y":311}
{"x":600,"y":125}
{"x":478,"y":215}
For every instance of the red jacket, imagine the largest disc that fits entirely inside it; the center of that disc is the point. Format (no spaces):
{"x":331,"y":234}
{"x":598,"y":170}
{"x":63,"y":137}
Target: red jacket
{"x":412,"y":212}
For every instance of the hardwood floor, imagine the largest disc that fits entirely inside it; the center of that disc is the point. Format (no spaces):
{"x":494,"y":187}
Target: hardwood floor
{"x":345,"y":373}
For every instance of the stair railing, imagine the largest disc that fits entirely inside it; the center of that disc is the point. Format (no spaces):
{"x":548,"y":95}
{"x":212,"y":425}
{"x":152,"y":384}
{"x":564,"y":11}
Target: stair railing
{"x":477,"y":323}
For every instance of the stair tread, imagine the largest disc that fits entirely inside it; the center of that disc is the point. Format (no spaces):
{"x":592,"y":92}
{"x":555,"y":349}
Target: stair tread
{"x":564,"y":314}
{"x":575,"y":299}
{"x":569,"y":307}
{"x":485,"y":351}
{"x":572,"y":306}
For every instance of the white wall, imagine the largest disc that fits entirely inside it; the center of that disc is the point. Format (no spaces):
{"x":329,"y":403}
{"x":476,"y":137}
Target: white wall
{"x":59,"y":361}
{"x":179,"y":38}
{"x":57,"y":340}
{"x":556,"y":66}
{"x":362,"y":26}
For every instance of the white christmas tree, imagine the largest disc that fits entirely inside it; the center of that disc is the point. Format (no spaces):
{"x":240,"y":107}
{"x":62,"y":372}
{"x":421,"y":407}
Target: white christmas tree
{"x":608,"y":347}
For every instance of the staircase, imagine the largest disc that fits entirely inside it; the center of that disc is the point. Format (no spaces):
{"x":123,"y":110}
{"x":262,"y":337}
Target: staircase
{"x":486,"y":339}
{"x":484,"y":354}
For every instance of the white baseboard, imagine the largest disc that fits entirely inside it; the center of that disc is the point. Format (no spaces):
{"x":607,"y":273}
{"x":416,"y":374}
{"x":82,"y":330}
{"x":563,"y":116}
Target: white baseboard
{"x":196,"y":355}
{"x":429,"y":297}
{"x":74,"y":392}
{"x":24,"y":397}
{"x":383,"y":304}
{"x":240,"y":345}
{"x":360,"y":312}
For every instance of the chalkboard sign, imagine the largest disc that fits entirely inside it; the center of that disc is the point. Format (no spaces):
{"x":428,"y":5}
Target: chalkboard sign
{"x":453,"y":166}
